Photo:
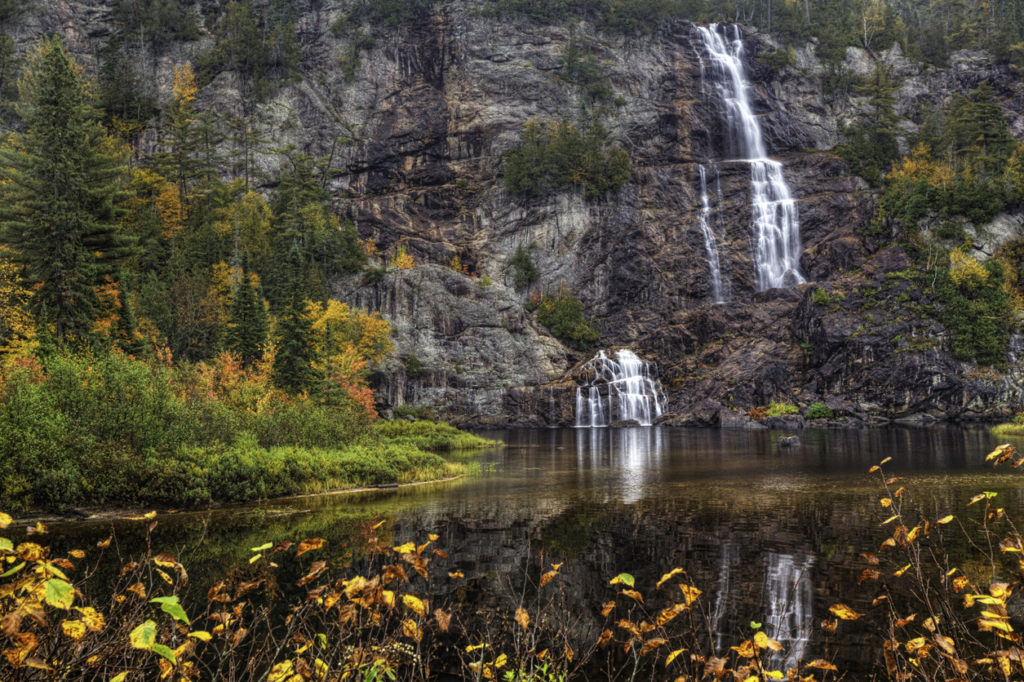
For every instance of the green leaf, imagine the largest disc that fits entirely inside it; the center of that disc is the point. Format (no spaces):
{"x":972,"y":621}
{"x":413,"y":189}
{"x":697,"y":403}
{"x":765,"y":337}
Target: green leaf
{"x":754,"y":625}
{"x":120,"y":677}
{"x":265,"y":546}
{"x":164,"y":651}
{"x":11,"y":571}
{"x":59,"y":593}
{"x":624,"y":578}
{"x":6,"y":544}
{"x":144,"y":636}
{"x":171,"y":607}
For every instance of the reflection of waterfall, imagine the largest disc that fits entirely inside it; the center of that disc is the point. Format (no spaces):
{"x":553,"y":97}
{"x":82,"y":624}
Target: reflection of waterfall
{"x":710,"y":245}
{"x":722,"y":596}
{"x":630,"y":456}
{"x":776,"y":224}
{"x":788,"y":593}
{"x":628,"y":384}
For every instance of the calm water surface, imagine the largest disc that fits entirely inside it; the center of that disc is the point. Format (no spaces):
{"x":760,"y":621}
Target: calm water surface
{"x":770,"y":534}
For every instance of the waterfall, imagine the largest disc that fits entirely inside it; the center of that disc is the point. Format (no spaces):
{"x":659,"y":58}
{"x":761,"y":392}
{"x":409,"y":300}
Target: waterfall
{"x":776,"y":224}
{"x":710,"y":245}
{"x":629,"y":385}
{"x":789,"y":595}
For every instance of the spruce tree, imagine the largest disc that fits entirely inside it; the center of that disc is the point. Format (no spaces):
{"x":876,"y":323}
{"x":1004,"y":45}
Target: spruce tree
{"x":127,"y":333}
{"x":293,"y":363}
{"x":62,"y":182}
{"x":247,"y":325}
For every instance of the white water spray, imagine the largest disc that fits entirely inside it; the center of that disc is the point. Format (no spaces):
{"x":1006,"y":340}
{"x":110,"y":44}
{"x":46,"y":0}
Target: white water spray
{"x":629,"y":386}
{"x":710,"y":245}
{"x":776,"y":224}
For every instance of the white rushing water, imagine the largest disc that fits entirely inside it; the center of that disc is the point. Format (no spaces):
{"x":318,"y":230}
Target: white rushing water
{"x":789,"y":594}
{"x":710,"y":244}
{"x":776,"y":223}
{"x":626,"y":383}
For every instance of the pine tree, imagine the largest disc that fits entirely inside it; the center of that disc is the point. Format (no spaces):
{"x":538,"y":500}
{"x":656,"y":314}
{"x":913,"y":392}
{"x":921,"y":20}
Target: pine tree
{"x":62,"y":182}
{"x":247,"y":327}
{"x":293,"y":363}
{"x":127,"y":334}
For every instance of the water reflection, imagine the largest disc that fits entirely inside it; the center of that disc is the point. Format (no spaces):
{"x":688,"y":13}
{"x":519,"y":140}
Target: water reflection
{"x":770,"y":535}
{"x":633,"y":456}
{"x":788,"y":594}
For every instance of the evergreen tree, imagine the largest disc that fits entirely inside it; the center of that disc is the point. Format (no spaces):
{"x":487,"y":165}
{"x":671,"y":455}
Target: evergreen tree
{"x":247,"y":325}
{"x":293,"y":363}
{"x":63,"y":180}
{"x":127,"y":334}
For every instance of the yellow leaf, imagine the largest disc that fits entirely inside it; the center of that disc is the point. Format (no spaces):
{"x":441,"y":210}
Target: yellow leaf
{"x":977,"y":498}
{"x":433,"y":536}
{"x":120,"y":677}
{"x":885,"y":502}
{"x":410,"y":629}
{"x":92,"y":618}
{"x":889,"y":520}
{"x":775,"y":674}
{"x":672,"y":656}
{"x":522,"y":617}
{"x":77,"y":554}
{"x":201,"y":635}
{"x":454,"y":575}
{"x":5,"y":520}
{"x":765,"y":642}
{"x":668,"y":576}
{"x":75,"y":629}
{"x":309,"y":545}
{"x":633,"y":594}
{"x":669,"y":613}
{"x":874,"y":469}
{"x":388,"y":597}
{"x":886,"y":460}
{"x":547,"y":577}
{"x":999,"y":590}
{"x":282,"y":672}
{"x":821,"y":664}
{"x":500,"y":661}
{"x":690,"y":593}
{"x":473,"y":647}
{"x":414,"y":603}
{"x":991,"y":625}
{"x":845,"y":612}
{"x":902,"y":571}
{"x":914,"y":644}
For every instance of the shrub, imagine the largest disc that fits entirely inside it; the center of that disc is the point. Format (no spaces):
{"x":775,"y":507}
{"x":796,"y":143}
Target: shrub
{"x":524,"y":272}
{"x":819,"y":411}
{"x":757,"y":413}
{"x":779,"y":409}
{"x":413,"y":366}
{"x":562,"y":314}
{"x":558,"y":156}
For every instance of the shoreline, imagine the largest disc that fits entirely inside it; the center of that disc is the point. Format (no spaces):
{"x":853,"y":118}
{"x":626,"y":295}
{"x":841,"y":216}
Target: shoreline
{"x":90,"y":514}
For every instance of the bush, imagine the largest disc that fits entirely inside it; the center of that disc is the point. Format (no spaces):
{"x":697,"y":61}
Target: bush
{"x":778,"y":409}
{"x":977,"y":313}
{"x":555,"y":157}
{"x":524,"y":272}
{"x":188,"y":436}
{"x":562,"y":314}
{"x":413,"y":366}
{"x":818,"y":411}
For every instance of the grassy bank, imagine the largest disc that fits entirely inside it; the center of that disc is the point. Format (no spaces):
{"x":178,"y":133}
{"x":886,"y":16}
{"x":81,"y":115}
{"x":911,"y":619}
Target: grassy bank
{"x":114,"y":431}
{"x":1010,"y":429}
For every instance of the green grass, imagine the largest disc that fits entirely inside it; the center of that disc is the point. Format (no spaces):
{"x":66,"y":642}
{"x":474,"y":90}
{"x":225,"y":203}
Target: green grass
{"x":1011,"y":429}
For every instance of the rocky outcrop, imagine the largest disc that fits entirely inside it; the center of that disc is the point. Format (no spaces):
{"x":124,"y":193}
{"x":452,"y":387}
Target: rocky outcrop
{"x":416,"y":134}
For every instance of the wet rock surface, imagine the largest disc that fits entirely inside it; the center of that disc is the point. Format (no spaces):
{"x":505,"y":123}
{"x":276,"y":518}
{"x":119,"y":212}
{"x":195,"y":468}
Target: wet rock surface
{"x":417,"y":136}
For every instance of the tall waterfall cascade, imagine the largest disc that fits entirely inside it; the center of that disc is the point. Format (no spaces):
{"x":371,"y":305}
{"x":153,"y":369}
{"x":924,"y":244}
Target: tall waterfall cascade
{"x":710,"y":244}
{"x":775,"y":220}
{"x":618,"y":388}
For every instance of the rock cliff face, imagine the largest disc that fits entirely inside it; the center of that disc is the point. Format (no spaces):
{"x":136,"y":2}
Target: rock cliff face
{"x":417,"y":135}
